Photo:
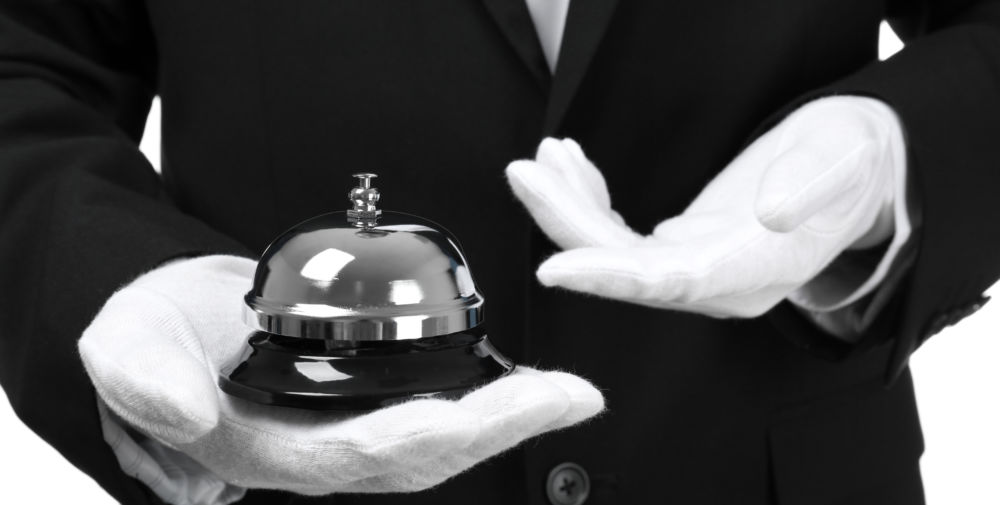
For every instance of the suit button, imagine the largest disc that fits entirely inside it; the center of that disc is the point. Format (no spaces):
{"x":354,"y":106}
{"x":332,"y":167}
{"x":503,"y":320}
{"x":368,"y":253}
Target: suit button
{"x":568,"y":484}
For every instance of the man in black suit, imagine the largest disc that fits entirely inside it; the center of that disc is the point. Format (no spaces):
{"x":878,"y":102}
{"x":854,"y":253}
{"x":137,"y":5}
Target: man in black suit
{"x":267,"y":106}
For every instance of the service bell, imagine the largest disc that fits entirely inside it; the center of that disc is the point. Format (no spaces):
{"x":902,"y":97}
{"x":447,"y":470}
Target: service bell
{"x":359,"y":309}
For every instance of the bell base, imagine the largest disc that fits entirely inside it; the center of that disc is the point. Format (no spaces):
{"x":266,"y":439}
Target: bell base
{"x":319,"y":374}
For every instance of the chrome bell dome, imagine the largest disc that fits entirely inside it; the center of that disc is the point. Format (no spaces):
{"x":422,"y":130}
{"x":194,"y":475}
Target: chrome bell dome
{"x":381,"y":276}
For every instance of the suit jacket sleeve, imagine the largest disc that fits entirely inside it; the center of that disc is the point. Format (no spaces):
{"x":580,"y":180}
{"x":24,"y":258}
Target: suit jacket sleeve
{"x":945,"y":86}
{"x":81,"y":210}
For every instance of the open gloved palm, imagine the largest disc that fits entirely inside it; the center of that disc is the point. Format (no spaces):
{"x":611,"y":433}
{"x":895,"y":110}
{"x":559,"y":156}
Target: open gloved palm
{"x":154,"y":351}
{"x":817,"y":184}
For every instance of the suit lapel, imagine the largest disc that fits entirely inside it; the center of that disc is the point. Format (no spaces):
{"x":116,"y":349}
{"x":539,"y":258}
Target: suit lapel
{"x":514,"y":20}
{"x":586,"y":23}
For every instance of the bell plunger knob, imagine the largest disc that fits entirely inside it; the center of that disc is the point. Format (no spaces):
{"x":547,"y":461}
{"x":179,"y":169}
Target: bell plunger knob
{"x":364,"y":197}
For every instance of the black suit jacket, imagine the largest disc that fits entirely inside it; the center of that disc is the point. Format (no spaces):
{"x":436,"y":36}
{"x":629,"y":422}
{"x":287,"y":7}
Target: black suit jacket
{"x":268,"y":106}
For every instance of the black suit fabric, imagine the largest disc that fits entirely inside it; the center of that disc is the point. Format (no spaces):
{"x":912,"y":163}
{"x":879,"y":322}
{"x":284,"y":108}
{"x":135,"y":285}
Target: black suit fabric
{"x":269,"y":106}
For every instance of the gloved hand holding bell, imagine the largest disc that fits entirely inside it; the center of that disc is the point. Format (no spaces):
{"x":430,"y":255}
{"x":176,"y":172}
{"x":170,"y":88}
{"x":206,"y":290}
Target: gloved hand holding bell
{"x":351,"y":310}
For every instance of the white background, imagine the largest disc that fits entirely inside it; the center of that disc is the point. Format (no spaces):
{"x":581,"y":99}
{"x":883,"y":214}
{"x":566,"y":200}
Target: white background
{"x":956,"y":374}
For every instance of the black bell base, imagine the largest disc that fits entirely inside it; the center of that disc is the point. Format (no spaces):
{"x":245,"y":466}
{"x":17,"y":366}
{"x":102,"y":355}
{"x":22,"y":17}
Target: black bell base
{"x":328,"y":375}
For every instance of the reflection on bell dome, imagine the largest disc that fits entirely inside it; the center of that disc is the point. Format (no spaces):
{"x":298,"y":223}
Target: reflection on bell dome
{"x":401,"y":277}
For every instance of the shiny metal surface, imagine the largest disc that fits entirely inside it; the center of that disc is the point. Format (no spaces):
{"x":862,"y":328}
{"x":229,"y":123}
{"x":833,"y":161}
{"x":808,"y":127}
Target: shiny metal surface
{"x":402,"y":277}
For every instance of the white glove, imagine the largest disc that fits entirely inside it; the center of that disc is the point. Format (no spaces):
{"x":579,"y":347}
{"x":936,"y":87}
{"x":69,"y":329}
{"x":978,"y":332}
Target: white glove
{"x":154,"y":351}
{"x":820,"y":182}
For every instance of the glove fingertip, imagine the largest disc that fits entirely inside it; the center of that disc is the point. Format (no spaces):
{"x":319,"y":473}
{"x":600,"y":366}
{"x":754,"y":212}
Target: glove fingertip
{"x":586,"y":401}
{"x":549,"y":274}
{"x":571,"y":269}
{"x":519,"y":166}
{"x":520,"y":174}
{"x":546,"y":146}
{"x":572,"y":144}
{"x":770,"y":215}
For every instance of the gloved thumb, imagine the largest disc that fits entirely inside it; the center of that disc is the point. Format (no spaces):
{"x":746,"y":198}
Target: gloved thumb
{"x":146,"y":364}
{"x":807,"y":179}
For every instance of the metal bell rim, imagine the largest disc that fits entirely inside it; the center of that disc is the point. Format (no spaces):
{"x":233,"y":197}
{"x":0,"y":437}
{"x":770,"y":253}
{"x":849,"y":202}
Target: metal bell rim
{"x":317,"y":321}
